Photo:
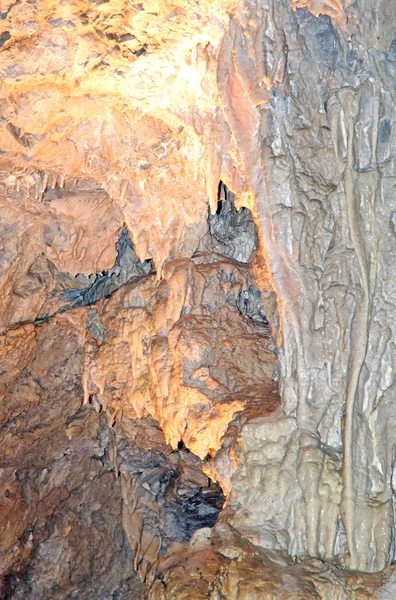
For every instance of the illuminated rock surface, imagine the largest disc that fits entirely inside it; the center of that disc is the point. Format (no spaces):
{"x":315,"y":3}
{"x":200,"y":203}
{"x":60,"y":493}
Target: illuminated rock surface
{"x":197,"y":267}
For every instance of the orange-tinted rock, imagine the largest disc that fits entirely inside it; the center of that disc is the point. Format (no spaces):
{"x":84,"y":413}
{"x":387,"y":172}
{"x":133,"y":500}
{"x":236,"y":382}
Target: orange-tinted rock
{"x":122,"y":117}
{"x":181,"y":352}
{"x":46,"y":245}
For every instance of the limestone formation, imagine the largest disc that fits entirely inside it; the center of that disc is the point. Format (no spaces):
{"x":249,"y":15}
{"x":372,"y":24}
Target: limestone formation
{"x":197,"y":316}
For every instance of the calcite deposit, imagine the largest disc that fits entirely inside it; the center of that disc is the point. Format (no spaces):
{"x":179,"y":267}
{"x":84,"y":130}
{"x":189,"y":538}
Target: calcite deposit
{"x":197,"y":316}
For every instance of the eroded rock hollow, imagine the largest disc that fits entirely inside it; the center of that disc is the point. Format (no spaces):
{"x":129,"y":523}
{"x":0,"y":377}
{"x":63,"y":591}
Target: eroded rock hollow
{"x":197,"y":316}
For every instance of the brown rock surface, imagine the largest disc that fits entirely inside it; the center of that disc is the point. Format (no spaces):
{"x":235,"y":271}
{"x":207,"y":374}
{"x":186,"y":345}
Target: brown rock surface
{"x":182,"y":352}
{"x":60,"y":508}
{"x":63,"y":473}
{"x":232,"y":568}
{"x":46,"y":245}
{"x":197,"y":267}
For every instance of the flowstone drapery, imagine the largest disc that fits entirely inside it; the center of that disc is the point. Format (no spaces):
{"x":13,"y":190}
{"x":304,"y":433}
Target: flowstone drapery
{"x":320,"y":160}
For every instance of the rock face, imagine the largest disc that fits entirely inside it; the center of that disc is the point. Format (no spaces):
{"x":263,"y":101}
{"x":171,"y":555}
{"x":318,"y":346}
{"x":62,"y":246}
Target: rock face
{"x":320,"y":174}
{"x":60,"y":502}
{"x":197,"y":264}
{"x":74,"y":488}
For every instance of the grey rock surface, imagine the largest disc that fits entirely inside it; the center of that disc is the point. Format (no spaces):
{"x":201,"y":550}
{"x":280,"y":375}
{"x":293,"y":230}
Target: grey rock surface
{"x":322,"y":173}
{"x":232,"y":233}
{"x":127,"y":267}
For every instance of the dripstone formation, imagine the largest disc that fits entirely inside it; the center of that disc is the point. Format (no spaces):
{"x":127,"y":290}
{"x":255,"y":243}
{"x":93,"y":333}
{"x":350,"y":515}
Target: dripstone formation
{"x":197,"y":315}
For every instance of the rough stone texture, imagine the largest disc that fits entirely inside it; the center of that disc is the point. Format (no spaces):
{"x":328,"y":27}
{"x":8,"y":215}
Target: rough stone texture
{"x":127,"y":266}
{"x":232,"y":232}
{"x":68,"y":479}
{"x":322,"y":176}
{"x":61,"y":533}
{"x":44,"y":246}
{"x":181,"y":352}
{"x":127,"y":310}
{"x":222,"y":564}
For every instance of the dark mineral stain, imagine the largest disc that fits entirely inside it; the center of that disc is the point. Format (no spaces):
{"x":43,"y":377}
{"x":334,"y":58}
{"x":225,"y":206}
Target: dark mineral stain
{"x":385,"y":130}
{"x":4,"y":37}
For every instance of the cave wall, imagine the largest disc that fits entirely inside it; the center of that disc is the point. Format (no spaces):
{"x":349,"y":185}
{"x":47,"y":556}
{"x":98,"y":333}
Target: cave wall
{"x":60,"y":502}
{"x":321,"y":167}
{"x":202,"y":197}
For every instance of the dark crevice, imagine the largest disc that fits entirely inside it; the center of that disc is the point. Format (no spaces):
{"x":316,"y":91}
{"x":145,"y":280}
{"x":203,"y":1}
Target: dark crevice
{"x":232,"y":233}
{"x":4,"y":37}
{"x":250,"y":303}
{"x":127,"y":268}
{"x":173,"y":483}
